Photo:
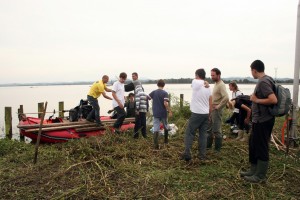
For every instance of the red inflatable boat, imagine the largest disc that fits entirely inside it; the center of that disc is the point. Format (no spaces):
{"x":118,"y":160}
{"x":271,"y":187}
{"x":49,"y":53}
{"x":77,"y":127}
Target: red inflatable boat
{"x":59,"y":130}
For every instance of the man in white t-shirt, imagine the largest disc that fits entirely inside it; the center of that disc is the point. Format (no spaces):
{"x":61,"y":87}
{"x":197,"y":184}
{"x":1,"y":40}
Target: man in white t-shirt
{"x":200,"y":106}
{"x":118,"y":93}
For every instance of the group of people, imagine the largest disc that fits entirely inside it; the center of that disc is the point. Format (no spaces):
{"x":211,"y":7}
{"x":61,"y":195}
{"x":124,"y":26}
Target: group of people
{"x":207,"y":108}
{"x":137,"y":105}
{"x":206,"y":114}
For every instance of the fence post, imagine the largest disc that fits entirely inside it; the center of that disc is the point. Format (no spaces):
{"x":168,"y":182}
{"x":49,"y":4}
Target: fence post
{"x":61,"y":109}
{"x":40,"y":109}
{"x":181,"y":100}
{"x":170,"y":100}
{"x":8,"y":122}
{"x":20,"y":112}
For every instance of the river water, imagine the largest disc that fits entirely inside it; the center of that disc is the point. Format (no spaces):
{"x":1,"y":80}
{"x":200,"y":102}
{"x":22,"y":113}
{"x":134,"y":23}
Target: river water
{"x":30,"y":96}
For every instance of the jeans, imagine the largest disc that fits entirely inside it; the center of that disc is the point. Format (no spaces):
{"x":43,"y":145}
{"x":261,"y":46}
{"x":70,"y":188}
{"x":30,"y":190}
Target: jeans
{"x":95,"y":113}
{"x":156,"y":123}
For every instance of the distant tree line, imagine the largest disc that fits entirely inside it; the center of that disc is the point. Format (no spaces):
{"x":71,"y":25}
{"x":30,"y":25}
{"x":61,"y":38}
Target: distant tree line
{"x":239,"y":81}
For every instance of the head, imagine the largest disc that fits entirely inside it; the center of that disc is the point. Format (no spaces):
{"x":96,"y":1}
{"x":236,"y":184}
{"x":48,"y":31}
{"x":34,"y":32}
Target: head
{"x":257,"y":68}
{"x":105,"y":79}
{"x":123,"y":77}
{"x":161,"y":83}
{"x":131,"y":96}
{"x":200,"y":73}
{"x":134,"y":76}
{"x":233,"y":86}
{"x":215,"y":74}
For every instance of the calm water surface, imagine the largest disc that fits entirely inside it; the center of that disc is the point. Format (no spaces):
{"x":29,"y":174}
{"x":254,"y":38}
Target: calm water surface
{"x":29,"y":97}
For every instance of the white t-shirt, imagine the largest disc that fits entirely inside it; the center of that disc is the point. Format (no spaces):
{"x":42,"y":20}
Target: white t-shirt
{"x":200,"y":97}
{"x":234,"y":95}
{"x":118,"y":87}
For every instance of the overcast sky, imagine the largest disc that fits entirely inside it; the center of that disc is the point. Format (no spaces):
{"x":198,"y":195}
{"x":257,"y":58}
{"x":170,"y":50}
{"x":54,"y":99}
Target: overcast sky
{"x":81,"y":40}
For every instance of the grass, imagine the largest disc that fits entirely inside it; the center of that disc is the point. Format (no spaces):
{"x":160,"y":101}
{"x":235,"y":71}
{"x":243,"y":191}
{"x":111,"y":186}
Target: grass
{"x":120,"y":167}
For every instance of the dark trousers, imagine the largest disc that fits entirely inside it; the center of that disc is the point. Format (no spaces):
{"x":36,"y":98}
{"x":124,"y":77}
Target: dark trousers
{"x":259,"y":141}
{"x":95,"y":113}
{"x":140,"y":123}
{"x":121,"y":114}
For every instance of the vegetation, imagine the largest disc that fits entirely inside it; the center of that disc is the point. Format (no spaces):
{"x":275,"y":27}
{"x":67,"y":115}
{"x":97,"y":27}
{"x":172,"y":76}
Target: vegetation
{"x":120,"y":167}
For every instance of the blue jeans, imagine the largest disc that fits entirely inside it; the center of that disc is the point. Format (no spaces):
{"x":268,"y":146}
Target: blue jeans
{"x":95,"y":113}
{"x":156,"y":123}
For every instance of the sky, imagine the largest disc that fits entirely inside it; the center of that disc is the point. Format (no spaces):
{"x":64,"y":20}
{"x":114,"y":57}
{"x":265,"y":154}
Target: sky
{"x":82,"y":40}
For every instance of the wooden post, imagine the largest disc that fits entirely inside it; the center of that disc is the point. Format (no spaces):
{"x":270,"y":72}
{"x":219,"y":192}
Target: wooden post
{"x":39,"y":133}
{"x":20,"y":112}
{"x":40,"y":109}
{"x":61,"y":109}
{"x":170,"y":100}
{"x":181,"y":100}
{"x":8,"y":122}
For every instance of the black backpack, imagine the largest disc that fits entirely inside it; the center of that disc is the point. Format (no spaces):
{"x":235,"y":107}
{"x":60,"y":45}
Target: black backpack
{"x":80,"y":111}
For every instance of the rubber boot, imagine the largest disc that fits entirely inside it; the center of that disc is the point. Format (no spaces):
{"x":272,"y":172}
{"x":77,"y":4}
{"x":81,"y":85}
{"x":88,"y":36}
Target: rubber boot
{"x":155,"y":140}
{"x":218,"y":144}
{"x":260,"y":173}
{"x":209,"y":142}
{"x":245,"y":137}
{"x":166,"y":135}
{"x":250,"y":172}
{"x":240,"y":135}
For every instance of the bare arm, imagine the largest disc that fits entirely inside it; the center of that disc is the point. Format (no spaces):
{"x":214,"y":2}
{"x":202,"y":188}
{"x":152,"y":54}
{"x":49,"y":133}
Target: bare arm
{"x":107,"y":89}
{"x":105,"y":96}
{"x":166,"y":104}
{"x":247,"y":119}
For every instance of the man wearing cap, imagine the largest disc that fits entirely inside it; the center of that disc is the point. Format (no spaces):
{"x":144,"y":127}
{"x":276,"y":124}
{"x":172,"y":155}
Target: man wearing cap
{"x":98,"y":88}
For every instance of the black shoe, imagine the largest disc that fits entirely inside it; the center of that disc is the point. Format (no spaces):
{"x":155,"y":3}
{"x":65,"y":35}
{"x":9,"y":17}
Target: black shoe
{"x":185,"y":157}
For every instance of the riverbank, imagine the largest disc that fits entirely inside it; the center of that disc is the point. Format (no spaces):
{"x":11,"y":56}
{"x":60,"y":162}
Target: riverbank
{"x":120,"y":167}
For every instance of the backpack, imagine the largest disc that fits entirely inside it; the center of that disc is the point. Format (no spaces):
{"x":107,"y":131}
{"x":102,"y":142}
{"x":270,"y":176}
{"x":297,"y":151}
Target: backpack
{"x":80,"y":111}
{"x":284,"y":100}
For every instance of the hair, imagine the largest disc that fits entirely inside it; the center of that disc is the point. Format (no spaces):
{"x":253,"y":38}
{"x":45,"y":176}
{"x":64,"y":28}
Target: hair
{"x":234,"y":85}
{"x":130,"y":94}
{"x":218,"y":72}
{"x":201,"y":73}
{"x":104,"y":76}
{"x":258,"y":65}
{"x":134,"y":73}
{"x":161,"y":83}
{"x":123,"y":75}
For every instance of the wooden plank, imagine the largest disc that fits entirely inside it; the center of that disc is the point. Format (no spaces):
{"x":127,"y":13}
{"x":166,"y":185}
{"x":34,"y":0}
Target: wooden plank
{"x":59,"y":128}
{"x":110,"y":121}
{"x":78,"y":130}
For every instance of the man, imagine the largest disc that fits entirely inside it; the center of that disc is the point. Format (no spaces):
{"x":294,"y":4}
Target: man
{"x":141,"y":109}
{"x":118,"y":93}
{"x":200,"y":107}
{"x":130,"y":87}
{"x":262,"y":124}
{"x":98,"y":88}
{"x":160,"y":108}
{"x":219,"y":101}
